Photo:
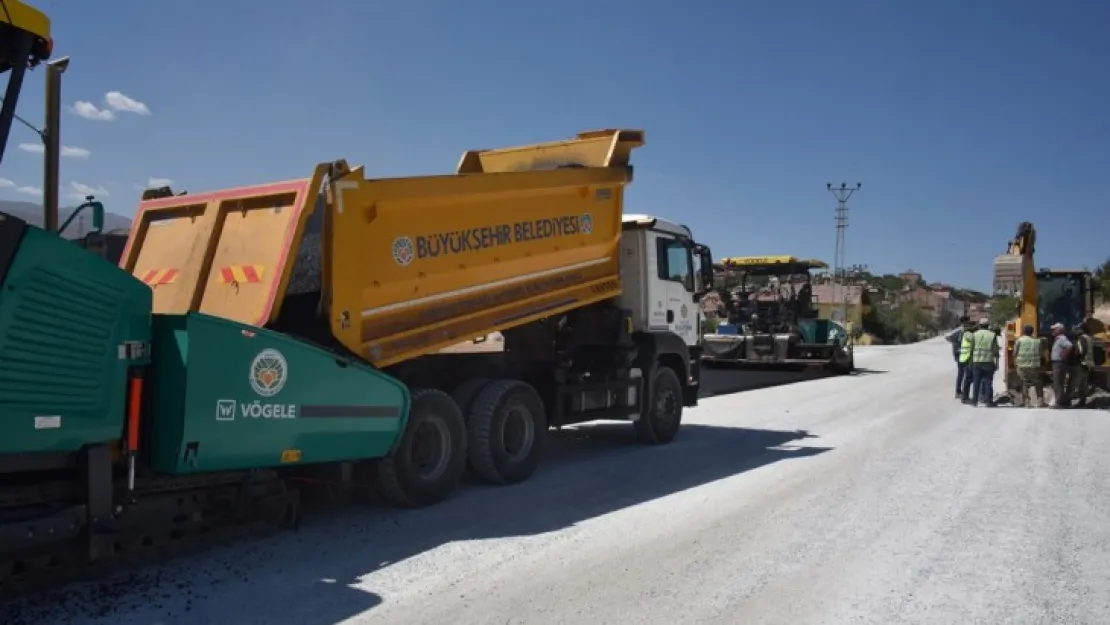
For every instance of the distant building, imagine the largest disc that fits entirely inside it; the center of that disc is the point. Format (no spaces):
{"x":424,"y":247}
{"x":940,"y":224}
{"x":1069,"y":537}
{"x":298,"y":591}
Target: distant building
{"x":924,"y":298}
{"x":840,"y":303}
{"x":947,"y":303}
{"x":911,"y":278}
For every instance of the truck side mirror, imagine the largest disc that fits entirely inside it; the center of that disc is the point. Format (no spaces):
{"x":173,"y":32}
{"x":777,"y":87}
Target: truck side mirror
{"x":97,"y":216}
{"x":705,"y":268}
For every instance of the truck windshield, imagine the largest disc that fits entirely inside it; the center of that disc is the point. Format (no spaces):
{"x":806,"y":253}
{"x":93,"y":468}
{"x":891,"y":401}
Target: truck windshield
{"x":1060,"y":299}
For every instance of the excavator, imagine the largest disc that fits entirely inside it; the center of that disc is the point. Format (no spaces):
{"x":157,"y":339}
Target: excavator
{"x":24,"y":43}
{"x":1046,"y":297}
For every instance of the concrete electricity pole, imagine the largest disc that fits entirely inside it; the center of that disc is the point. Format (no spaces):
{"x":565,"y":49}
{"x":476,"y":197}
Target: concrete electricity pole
{"x":841,"y":193}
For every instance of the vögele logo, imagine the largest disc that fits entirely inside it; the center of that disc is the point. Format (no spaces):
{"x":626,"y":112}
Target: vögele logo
{"x":403,"y":251}
{"x":268,"y":373}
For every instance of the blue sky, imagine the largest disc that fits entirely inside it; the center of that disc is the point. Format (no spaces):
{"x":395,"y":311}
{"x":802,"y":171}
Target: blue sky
{"x":960,"y":118}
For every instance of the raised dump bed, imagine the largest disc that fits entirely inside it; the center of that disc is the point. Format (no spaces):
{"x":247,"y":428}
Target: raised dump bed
{"x":402,"y":266}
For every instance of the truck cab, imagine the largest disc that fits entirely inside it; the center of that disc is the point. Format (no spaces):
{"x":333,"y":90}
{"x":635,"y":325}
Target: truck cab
{"x":662,"y":272}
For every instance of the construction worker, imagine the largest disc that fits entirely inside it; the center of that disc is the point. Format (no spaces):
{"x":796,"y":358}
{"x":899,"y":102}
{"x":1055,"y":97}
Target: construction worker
{"x":984,"y":362}
{"x":960,"y":338}
{"x":1081,"y":369}
{"x":1060,"y":355}
{"x":1027,"y":361}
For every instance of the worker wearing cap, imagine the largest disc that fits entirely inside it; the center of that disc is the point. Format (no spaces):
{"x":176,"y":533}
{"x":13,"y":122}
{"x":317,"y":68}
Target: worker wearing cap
{"x":1027,"y":361}
{"x":960,"y":338}
{"x":1060,"y":355}
{"x":1081,"y":369}
{"x":984,"y":362}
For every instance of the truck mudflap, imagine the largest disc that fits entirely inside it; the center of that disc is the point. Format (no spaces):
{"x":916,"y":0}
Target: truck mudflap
{"x":224,"y":253}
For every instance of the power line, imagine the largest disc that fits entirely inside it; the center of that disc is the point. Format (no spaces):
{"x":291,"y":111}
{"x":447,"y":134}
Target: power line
{"x":32,"y":127}
{"x":841,"y":193}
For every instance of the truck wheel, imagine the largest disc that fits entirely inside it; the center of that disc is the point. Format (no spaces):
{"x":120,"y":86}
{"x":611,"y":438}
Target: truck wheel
{"x":663,"y":414}
{"x":840,"y":363}
{"x":465,"y":393}
{"x":430,"y":458}
{"x":507,"y":427}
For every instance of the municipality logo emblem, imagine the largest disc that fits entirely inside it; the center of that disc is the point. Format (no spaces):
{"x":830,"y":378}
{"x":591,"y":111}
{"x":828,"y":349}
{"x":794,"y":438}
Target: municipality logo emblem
{"x":268,"y":373}
{"x":586,"y":223}
{"x":403,"y":251}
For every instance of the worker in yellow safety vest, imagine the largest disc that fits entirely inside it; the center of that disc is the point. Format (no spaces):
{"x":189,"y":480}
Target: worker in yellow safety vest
{"x":1027,"y":361}
{"x":965,"y":358}
{"x":984,"y":362}
{"x":960,"y":339}
{"x":1083,"y":365}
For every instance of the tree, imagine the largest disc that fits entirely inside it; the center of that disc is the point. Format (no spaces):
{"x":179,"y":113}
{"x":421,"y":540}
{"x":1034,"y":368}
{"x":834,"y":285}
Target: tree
{"x":877,"y":323}
{"x":890,"y":283}
{"x":1102,"y":274}
{"x":906,"y":322}
{"x":946,"y":320}
{"x":913,"y":321}
{"x":1004,"y":309}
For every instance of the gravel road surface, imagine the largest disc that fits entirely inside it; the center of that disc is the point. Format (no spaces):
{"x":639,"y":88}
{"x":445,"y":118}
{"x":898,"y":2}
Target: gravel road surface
{"x":875,"y":498}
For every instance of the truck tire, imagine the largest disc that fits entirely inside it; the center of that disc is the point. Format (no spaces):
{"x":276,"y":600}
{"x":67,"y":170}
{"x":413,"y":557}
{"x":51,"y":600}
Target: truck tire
{"x":662,"y":417}
{"x":465,"y":393}
{"x":843,"y":363}
{"x":507,"y":428}
{"x":430,"y":459}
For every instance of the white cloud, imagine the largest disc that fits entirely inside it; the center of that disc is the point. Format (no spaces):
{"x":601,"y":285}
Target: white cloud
{"x":114,"y":101}
{"x":88,"y":110}
{"x":79,"y":191}
{"x":6,"y":184}
{"x":29,"y":191}
{"x":71,"y":151}
{"x":158,"y":182}
{"x":119,"y":102}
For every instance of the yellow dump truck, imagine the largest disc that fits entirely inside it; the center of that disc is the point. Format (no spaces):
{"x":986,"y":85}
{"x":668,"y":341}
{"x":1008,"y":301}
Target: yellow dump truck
{"x":599,"y":310}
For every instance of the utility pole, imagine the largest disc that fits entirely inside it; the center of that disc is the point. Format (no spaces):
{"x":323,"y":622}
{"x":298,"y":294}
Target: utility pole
{"x":841,"y":193}
{"x":51,"y":137}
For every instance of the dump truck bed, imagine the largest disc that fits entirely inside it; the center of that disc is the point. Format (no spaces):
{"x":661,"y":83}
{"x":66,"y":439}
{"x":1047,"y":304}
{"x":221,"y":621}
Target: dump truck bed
{"x":403,"y":266}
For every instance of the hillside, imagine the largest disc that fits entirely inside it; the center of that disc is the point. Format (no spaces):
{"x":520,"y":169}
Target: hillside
{"x":32,"y":214}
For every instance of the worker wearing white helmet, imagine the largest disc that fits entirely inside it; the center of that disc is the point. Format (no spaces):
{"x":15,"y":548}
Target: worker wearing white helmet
{"x":984,"y":362}
{"x":1060,"y":356}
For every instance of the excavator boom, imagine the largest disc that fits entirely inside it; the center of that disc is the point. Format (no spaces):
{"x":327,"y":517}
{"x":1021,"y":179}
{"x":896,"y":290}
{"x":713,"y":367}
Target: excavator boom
{"x":25,"y":41}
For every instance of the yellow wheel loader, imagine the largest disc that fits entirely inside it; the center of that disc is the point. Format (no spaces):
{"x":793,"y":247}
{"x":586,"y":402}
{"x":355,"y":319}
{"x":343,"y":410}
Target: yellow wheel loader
{"x":1045,"y":297}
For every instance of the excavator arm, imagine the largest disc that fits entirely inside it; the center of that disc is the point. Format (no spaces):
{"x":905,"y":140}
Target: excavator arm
{"x":1014,"y":273}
